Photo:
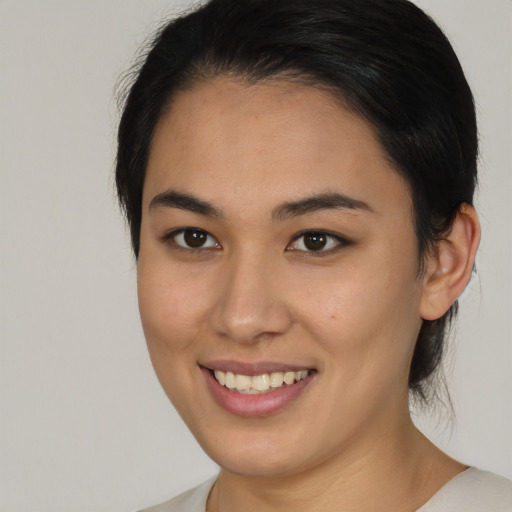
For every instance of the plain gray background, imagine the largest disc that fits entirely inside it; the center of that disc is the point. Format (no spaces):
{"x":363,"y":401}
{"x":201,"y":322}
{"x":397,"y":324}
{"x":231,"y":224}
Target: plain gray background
{"x":84,"y":425}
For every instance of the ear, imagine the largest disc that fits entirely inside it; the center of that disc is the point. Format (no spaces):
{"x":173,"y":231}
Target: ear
{"x":449,"y":268}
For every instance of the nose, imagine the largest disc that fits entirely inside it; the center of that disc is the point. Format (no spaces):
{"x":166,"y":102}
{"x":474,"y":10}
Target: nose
{"x":251,"y":302}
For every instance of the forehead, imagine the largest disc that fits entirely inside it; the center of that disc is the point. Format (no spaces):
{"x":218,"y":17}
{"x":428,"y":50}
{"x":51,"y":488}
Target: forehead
{"x":273,"y":140}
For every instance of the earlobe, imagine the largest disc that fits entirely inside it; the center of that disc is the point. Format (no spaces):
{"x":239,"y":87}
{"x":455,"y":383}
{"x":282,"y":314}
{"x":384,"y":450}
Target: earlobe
{"x":449,"y":269}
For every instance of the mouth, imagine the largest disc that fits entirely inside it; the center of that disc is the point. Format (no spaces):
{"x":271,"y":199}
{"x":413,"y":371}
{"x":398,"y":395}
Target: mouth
{"x":256,"y":390}
{"x":258,"y":384}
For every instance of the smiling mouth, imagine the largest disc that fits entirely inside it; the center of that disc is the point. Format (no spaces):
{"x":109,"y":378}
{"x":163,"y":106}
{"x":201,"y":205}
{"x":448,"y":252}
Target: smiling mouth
{"x":258,"y":384}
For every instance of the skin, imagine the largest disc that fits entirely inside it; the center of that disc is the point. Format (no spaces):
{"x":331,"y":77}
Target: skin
{"x":254,"y":293}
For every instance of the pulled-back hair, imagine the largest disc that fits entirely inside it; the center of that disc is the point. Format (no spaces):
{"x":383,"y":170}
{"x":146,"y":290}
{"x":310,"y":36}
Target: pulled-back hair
{"x":386,"y":59}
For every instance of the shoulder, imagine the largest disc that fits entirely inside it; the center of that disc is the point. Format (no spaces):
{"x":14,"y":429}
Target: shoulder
{"x":193,"y":500}
{"x":472,"y":491}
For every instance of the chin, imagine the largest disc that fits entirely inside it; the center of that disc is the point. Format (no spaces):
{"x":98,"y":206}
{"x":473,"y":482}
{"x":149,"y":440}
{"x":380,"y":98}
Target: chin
{"x":256,"y":455}
{"x":257,"y":465}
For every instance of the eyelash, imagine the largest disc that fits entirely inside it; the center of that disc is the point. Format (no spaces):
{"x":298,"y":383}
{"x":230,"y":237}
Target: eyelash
{"x":173,"y":235}
{"x":335,"y":241}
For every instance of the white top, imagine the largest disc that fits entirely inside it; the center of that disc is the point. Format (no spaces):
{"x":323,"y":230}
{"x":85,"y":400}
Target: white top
{"x":470,"y":491}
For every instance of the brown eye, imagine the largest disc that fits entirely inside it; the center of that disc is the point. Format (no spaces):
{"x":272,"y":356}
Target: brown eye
{"x":317,"y":242}
{"x":192,"y":238}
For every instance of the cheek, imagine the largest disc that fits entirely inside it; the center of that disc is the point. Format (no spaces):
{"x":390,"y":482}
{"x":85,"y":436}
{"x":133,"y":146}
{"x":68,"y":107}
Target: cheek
{"x":169,"y":317}
{"x":169,"y":305}
{"x":365,"y":313}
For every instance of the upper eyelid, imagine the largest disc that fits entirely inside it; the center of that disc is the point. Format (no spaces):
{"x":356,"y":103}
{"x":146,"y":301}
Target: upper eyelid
{"x":169,"y":235}
{"x":173,"y":232}
{"x":341,"y":242}
{"x":314,"y":230}
{"x":330,"y":234}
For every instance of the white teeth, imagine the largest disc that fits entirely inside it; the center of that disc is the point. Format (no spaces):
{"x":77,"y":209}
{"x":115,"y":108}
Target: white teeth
{"x":289,"y":378}
{"x":258,"y":383}
{"x":230,"y":380}
{"x":276,"y":379}
{"x":261,"y":382}
{"x":243,"y":382}
{"x":221,"y":377}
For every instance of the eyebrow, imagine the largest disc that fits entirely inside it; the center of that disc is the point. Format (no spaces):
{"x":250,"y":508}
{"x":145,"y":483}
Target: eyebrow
{"x":326,"y":201}
{"x":304,"y":206}
{"x":184,"y":201}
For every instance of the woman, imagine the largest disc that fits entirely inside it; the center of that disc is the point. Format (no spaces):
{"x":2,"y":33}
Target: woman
{"x":298,"y":178}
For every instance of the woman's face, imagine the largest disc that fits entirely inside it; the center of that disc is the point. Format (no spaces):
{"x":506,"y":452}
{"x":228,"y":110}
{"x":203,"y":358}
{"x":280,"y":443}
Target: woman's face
{"x":277,"y":242}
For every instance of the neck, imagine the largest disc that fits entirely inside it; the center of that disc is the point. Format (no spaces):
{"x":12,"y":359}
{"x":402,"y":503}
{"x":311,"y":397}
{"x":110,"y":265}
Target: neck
{"x":398,"y":470}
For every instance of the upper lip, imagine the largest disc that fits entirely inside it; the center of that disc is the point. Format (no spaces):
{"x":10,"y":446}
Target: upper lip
{"x":252,"y":368}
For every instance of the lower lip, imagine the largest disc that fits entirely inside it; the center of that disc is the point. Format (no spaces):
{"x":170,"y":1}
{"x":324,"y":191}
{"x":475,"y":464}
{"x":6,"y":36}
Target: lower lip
{"x":262,"y":404}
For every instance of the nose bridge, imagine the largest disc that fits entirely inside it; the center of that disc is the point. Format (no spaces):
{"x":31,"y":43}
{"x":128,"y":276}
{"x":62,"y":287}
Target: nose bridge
{"x":251,"y":301}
